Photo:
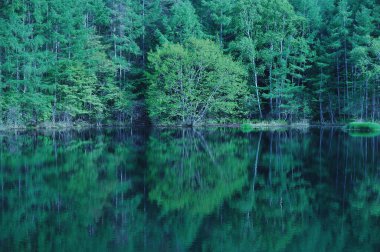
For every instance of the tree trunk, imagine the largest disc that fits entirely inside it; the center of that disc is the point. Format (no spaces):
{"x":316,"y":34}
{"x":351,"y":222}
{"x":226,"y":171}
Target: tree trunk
{"x":331,"y":111}
{"x":366,"y":99}
{"x":320,"y":100}
{"x":221,"y":32}
{"x":143,"y":33}
{"x":346,"y":71}
{"x":270,"y":81}
{"x":257,"y":87}
{"x":338,"y":87}
{"x":373,"y":104}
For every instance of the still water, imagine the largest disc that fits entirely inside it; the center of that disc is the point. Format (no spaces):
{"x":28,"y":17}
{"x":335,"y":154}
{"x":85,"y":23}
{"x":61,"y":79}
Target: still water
{"x":199,"y":190}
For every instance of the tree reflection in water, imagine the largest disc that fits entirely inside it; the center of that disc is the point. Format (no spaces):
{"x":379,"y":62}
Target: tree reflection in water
{"x":182,"y":189}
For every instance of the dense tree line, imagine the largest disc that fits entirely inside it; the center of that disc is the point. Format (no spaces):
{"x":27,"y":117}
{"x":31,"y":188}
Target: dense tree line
{"x":188,"y":62}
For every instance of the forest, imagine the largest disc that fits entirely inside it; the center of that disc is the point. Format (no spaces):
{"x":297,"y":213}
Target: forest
{"x":188,"y":62}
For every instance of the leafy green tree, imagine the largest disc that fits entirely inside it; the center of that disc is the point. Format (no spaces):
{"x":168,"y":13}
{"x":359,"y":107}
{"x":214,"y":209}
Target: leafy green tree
{"x":193,"y":83}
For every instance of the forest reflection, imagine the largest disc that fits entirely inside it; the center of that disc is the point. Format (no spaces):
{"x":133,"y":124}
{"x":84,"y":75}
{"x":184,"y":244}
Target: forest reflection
{"x":182,"y":189}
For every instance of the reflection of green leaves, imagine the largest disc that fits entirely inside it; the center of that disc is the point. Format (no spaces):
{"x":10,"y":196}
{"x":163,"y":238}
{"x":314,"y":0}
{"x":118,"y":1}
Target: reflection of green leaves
{"x":211,"y":190}
{"x":279,"y":200}
{"x":364,"y":134}
{"x":59,"y":184}
{"x":367,"y":197}
{"x":365,"y":211}
{"x":189,"y":172}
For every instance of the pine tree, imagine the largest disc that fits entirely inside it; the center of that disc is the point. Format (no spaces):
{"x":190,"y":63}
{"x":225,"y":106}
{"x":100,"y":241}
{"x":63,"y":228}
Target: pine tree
{"x":183,"y":23}
{"x":221,"y":13}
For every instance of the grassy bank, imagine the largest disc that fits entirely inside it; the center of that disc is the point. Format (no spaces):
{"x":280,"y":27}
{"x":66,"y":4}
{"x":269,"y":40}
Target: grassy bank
{"x":264,"y":125}
{"x":58,"y":126}
{"x":273,"y":125}
{"x":353,"y":127}
{"x":363,"y":127}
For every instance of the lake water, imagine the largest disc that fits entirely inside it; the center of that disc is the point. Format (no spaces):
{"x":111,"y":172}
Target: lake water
{"x":199,"y":190}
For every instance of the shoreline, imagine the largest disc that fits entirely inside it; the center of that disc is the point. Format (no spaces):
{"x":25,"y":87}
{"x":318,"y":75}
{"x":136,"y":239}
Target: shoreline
{"x":62,"y":128}
{"x":254,"y":126}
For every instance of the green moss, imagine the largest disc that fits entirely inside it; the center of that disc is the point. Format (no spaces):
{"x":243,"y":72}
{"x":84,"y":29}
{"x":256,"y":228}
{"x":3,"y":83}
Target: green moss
{"x":363,"y":126}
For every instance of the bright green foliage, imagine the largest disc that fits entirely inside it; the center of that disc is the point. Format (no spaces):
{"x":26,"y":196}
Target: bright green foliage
{"x":193,"y":83}
{"x":363,"y":126}
{"x":85,"y":85}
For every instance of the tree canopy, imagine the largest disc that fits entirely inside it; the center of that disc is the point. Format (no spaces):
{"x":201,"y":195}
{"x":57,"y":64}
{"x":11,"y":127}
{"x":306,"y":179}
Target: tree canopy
{"x":98,"y":61}
{"x":193,"y":82}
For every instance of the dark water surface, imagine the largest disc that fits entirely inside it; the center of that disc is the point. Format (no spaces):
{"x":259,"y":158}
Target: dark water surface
{"x":199,"y":190}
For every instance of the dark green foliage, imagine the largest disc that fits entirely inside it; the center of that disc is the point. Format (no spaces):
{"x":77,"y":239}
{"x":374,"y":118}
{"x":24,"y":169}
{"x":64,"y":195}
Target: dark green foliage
{"x":54,"y":65}
{"x":86,"y":60}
